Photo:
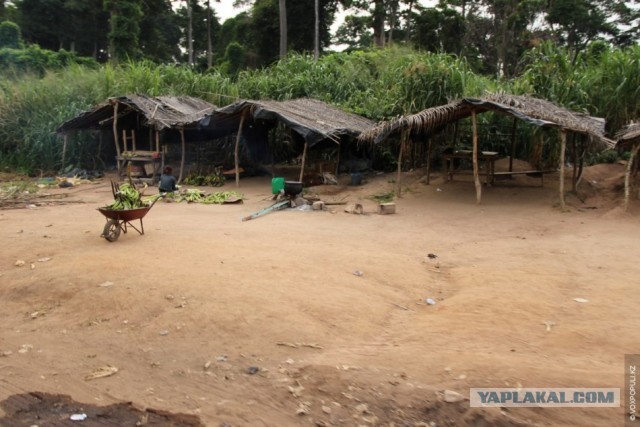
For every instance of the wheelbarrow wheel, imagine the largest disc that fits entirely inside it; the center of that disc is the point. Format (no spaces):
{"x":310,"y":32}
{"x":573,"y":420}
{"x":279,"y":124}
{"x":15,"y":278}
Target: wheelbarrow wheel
{"x":111,"y":230}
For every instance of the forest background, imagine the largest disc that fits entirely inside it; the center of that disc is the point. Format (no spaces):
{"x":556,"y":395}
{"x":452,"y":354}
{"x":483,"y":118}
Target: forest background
{"x":60,"y":57}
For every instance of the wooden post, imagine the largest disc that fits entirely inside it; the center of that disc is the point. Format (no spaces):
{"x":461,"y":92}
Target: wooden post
{"x":124,"y":140}
{"x":183,"y":154}
{"x":403,"y":140}
{"x":133,"y":139}
{"x":157,"y":141}
{"x":338,"y":160}
{"x":115,"y":136}
{"x":627,"y":175}
{"x":429,"y":162}
{"x":574,"y":160}
{"x":476,"y":177}
{"x":64,"y":150}
{"x":304,"y":159}
{"x":563,"y":146}
{"x":237,"y":148}
{"x":513,"y":143}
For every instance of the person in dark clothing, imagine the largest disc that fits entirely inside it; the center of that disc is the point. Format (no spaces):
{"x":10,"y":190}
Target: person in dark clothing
{"x":167,"y":181}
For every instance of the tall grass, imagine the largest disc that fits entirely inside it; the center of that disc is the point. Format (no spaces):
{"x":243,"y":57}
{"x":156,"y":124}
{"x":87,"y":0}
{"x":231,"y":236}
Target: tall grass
{"x":378,"y":84}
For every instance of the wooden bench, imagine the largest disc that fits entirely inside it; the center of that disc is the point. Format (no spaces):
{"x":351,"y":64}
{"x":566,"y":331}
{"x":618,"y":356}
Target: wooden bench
{"x":532,"y":173}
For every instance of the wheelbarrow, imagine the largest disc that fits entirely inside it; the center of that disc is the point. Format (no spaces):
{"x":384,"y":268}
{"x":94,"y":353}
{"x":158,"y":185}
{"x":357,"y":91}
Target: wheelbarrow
{"x":119,"y":220}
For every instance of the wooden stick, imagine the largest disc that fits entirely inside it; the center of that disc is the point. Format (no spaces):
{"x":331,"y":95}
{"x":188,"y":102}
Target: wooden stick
{"x":429,"y":162}
{"x":183,"y":154}
{"x":574,"y":160}
{"x":563,"y":146}
{"x":115,"y":135}
{"x":513,"y":143}
{"x":338,"y":160}
{"x":476,"y":177}
{"x":124,"y":140}
{"x":403,"y":140}
{"x":237,"y":148}
{"x":133,"y":137}
{"x":304,"y":159}
{"x":64,"y":149}
{"x":627,"y":175}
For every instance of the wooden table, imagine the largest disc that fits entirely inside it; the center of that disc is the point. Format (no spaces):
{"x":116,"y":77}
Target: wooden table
{"x":487,"y":157}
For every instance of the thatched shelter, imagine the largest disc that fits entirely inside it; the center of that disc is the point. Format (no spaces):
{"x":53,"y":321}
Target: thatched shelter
{"x":629,"y":139}
{"x":532,"y":110}
{"x":312,"y":119}
{"x":131,"y":113}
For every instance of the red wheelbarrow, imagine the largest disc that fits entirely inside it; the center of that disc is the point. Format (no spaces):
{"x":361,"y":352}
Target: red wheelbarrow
{"x":119,"y":220}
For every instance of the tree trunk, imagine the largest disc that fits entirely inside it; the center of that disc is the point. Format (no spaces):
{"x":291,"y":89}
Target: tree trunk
{"x":407,"y":35}
{"x":209,"y":41}
{"x":316,"y":32}
{"x":190,"y":32}
{"x":283,"y":29}
{"x":378,"y":23}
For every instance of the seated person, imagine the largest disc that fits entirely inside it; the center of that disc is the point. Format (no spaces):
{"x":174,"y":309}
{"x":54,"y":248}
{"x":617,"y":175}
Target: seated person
{"x":167,"y":181}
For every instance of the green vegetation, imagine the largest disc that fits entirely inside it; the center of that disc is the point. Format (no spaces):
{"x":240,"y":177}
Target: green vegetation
{"x":378,"y":84}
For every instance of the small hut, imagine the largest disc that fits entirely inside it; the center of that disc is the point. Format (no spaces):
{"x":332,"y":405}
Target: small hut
{"x":135,"y":118}
{"x":531,"y":110}
{"x":313,"y":120}
{"x":629,"y":139}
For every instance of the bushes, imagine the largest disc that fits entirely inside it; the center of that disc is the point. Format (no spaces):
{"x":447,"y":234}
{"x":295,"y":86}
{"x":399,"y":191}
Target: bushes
{"x":378,"y":84}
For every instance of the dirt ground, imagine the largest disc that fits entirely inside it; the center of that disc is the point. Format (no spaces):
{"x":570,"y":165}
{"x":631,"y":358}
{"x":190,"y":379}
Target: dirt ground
{"x":319,"y":318}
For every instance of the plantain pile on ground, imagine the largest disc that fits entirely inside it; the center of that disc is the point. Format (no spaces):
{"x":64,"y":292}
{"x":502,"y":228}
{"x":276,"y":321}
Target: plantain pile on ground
{"x":197,"y":196}
{"x":127,"y":197}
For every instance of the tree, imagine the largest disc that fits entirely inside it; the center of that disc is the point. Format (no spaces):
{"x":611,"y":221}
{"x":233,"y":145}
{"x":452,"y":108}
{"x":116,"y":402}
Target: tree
{"x":282,"y":7}
{"x":124,"y":31}
{"x":159,"y":31}
{"x":10,"y":35}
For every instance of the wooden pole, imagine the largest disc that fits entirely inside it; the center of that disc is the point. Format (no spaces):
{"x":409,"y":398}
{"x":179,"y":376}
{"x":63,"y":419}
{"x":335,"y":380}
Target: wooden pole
{"x":574,"y":160}
{"x":429,"y":161}
{"x":304,"y":159}
{"x":124,"y":140}
{"x":476,"y":177}
{"x":183,"y":154}
{"x":403,"y":141}
{"x":513,"y":143}
{"x":64,"y":150}
{"x":237,"y":148}
{"x":563,"y":146}
{"x":157,"y":141}
{"x":115,"y":136}
{"x":338,"y":160}
{"x":627,"y":175}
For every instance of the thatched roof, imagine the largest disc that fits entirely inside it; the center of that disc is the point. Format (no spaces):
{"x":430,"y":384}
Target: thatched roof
{"x":630,"y":134}
{"x":160,"y":112}
{"x":535,"y":111}
{"x":314,"y":120}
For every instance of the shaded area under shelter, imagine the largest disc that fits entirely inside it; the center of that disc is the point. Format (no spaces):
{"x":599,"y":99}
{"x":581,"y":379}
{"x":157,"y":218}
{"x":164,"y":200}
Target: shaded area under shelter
{"x":138,"y":122}
{"x":534,"y":111}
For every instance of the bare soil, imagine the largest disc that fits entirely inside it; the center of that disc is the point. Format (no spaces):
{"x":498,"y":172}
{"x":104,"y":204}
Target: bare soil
{"x":319,"y":318}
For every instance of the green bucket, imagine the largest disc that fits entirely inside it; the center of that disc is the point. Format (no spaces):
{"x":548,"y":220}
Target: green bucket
{"x":277,"y":185}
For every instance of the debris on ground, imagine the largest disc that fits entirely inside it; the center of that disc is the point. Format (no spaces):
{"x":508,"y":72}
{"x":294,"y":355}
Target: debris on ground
{"x":101,"y":372}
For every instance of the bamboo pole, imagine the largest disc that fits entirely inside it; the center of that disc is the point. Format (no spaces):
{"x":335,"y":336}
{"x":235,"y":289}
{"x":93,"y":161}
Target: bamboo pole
{"x":304,"y":159}
{"x":64,"y":150}
{"x":183,"y":154}
{"x":429,"y":161}
{"x":237,"y":148}
{"x":627,"y":175}
{"x":403,"y":140}
{"x":563,"y":146}
{"x":476,"y":177}
{"x":115,"y":136}
{"x":513,"y":143}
